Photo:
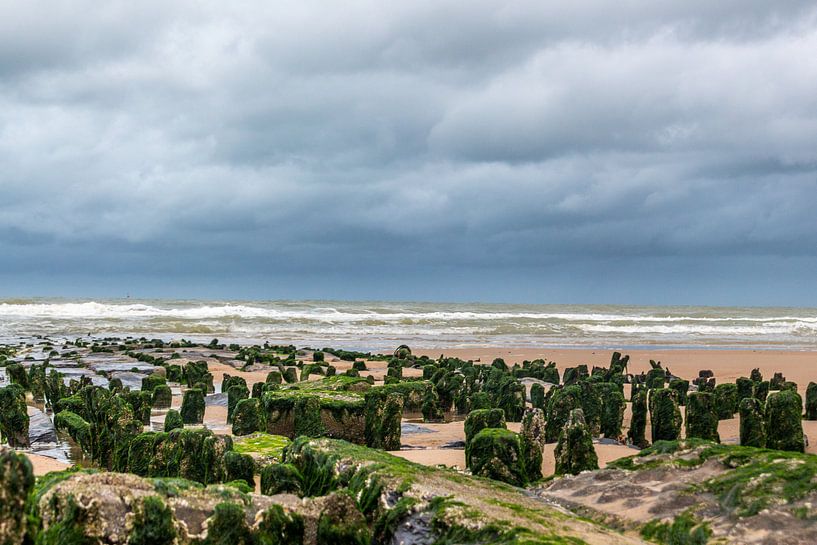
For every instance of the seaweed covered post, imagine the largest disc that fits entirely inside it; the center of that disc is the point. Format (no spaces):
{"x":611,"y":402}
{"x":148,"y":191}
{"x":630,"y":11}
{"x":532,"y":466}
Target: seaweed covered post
{"x":537,"y":395}
{"x":14,"y":416}
{"x":162,"y":396}
{"x":533,"y":441}
{"x":784,"y":427}
{"x":281,"y":479}
{"x":701,"y":417}
{"x":16,"y":481}
{"x":496,"y":453}
{"x":431,"y":406}
{"x":665,"y":415}
{"x":746,"y":388}
{"x":612,"y":409}
{"x":811,"y":401}
{"x":173,"y":420}
{"x":192,"y":409}
{"x":574,"y":452}
{"x":726,"y":400}
{"x":235,"y":393}
{"x":562,"y":401}
{"x":152,"y":523}
{"x":383,"y":414}
{"x":477,"y":421}
{"x":247,"y":417}
{"x":752,"y":425}
{"x":681,"y":386}
{"x":637,"y":434}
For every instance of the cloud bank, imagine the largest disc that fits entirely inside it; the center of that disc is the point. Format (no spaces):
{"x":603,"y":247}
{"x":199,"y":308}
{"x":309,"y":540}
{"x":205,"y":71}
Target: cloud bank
{"x":495,"y":151}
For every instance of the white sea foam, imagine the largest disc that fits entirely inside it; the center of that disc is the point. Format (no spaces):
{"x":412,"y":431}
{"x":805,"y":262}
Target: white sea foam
{"x":431,"y":323}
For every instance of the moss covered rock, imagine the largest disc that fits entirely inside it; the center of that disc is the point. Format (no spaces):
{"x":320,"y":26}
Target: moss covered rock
{"x":784,"y":426}
{"x":431,"y":405}
{"x":239,"y":467}
{"x":574,"y":452}
{"x":682,"y":387}
{"x":702,"y":417}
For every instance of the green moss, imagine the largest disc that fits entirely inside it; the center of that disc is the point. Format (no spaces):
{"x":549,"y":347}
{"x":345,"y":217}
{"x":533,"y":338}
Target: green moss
{"x":575,"y":452}
{"x":665,"y":416}
{"x":239,"y":467}
{"x":562,"y":401}
{"x":192,"y":409}
{"x":16,"y":482}
{"x":162,"y":396}
{"x":248,"y":417}
{"x":235,"y":393}
{"x":228,"y":526}
{"x":264,"y":444}
{"x":637,"y":434}
{"x":152,"y":523}
{"x":14,"y":416}
{"x":173,"y":420}
{"x":726,"y":400}
{"x":281,"y":478}
{"x":76,"y":427}
{"x":684,"y":530}
{"x":141,"y":453}
{"x":478,"y":420}
{"x":752,"y":425}
{"x":702,"y":417}
{"x":279,"y":527}
{"x":496,"y":453}
{"x":341,"y":522}
{"x":784,"y":428}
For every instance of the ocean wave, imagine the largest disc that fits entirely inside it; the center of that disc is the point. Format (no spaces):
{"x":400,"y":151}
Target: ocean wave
{"x":95,"y":310}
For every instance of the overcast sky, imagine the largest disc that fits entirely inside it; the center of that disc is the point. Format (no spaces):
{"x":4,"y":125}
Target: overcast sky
{"x":592,"y":151}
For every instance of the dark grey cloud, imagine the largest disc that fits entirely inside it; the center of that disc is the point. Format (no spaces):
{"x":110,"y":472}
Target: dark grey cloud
{"x":400,"y":147}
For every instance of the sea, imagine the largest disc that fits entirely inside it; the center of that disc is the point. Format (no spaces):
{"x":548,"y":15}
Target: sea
{"x":380,"y":325}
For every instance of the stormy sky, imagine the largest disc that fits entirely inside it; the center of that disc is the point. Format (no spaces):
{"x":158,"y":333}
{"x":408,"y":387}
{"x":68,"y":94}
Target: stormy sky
{"x":637,"y":152}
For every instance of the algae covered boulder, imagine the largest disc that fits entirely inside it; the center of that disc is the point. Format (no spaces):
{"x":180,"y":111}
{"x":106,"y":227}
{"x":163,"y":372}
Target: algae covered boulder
{"x":665,"y":415}
{"x":16,"y":481}
{"x":478,"y":420}
{"x":574,"y":452}
{"x":752,"y":424}
{"x":784,"y":427}
{"x":496,"y":453}
{"x":431,"y":405}
{"x":192,"y":409}
{"x":702,"y":417}
{"x":239,"y":467}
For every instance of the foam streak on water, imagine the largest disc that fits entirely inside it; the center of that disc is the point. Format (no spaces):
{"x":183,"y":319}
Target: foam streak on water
{"x":382,"y":324}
